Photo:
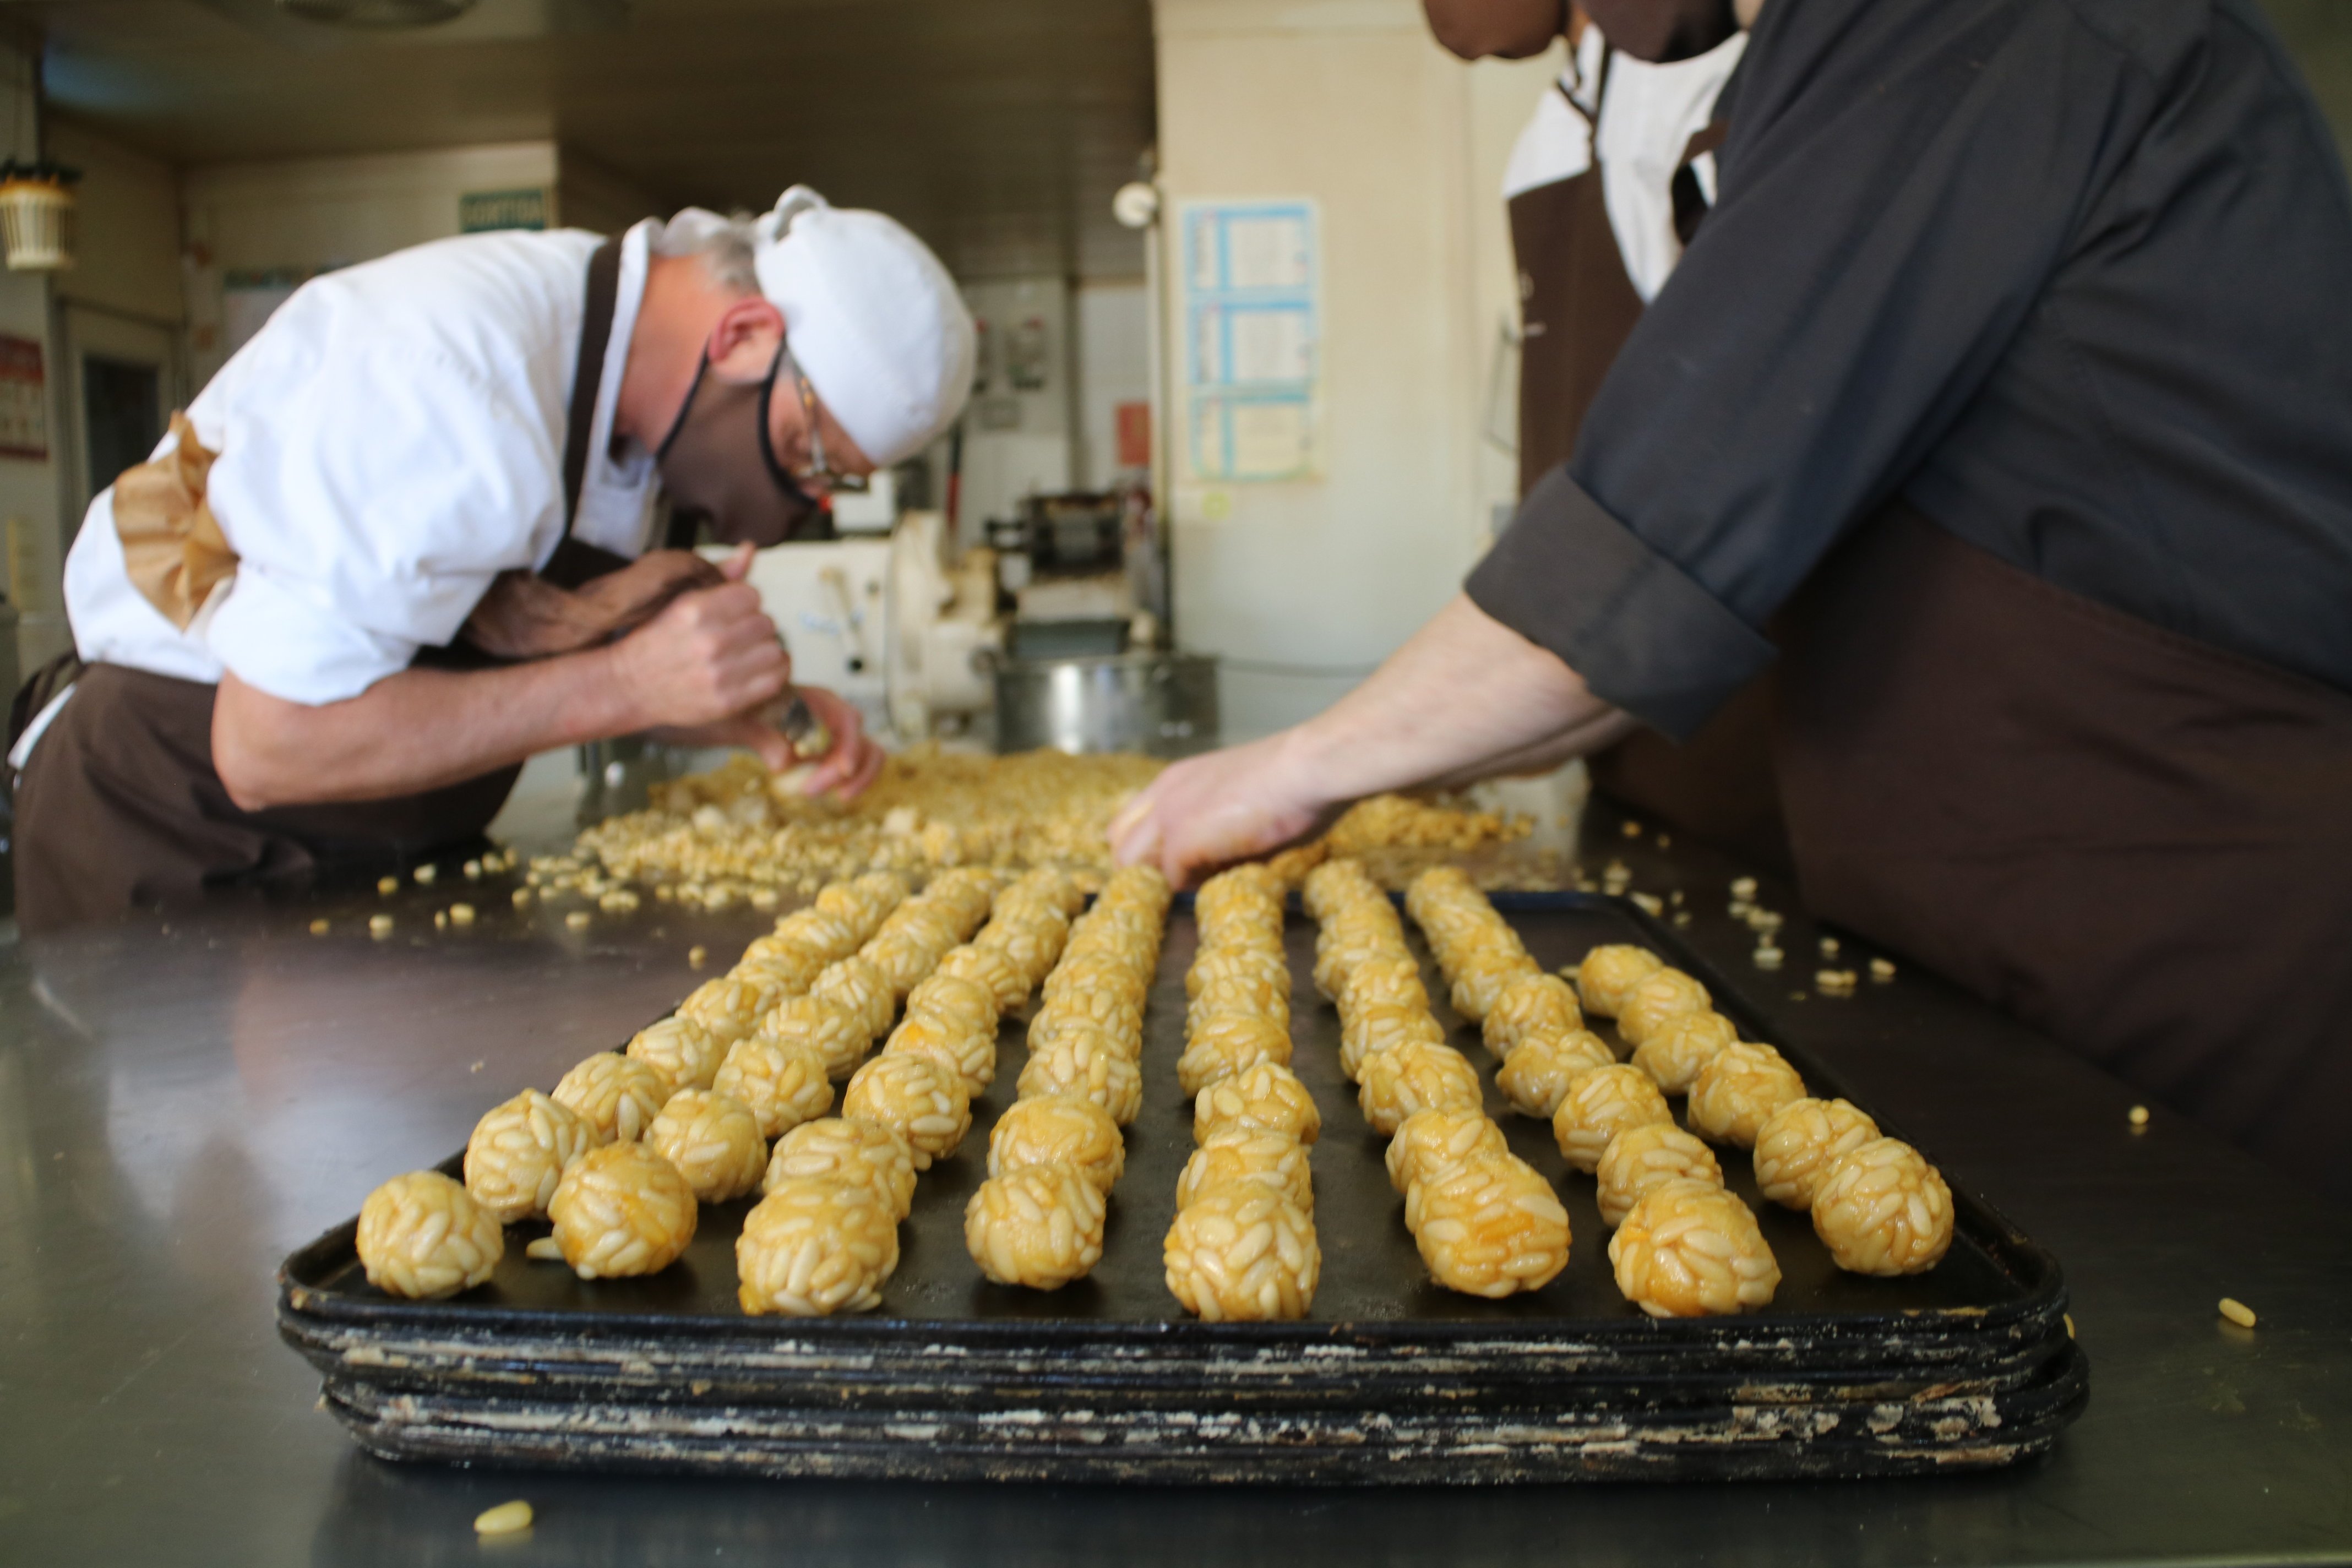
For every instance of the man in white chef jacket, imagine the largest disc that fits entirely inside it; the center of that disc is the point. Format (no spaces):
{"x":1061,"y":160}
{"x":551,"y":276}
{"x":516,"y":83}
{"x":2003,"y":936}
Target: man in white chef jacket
{"x":406,"y":539}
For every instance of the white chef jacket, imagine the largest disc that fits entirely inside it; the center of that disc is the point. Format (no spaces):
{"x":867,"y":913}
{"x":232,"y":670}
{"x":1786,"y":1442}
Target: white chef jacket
{"x":1648,"y":117}
{"x":389,"y":442}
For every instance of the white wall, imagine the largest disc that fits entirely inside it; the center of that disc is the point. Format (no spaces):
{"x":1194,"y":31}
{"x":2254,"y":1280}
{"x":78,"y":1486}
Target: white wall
{"x":309,"y":214}
{"x":1348,"y":101}
{"x":1114,"y":322}
{"x":1032,"y":454}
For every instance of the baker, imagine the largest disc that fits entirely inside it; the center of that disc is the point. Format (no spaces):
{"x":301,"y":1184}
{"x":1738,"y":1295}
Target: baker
{"x":1608,"y":182}
{"x":2006,"y":381}
{"x":408,"y":536}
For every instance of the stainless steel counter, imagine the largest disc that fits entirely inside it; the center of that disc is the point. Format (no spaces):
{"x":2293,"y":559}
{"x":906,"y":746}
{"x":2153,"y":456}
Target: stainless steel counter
{"x":184,"y":1102}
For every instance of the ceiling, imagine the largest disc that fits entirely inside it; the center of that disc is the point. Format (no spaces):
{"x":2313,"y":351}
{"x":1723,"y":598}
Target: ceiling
{"x":997,"y":129}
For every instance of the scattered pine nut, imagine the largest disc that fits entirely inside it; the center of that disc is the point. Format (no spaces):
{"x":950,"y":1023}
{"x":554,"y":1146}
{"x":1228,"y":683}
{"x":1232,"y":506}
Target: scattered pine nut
{"x":1829,"y":947}
{"x":577,"y":919}
{"x":1743,"y":889}
{"x":461,"y":914}
{"x":425,"y":873}
{"x":1769,"y":957}
{"x":440,"y":920}
{"x":697,"y":955}
{"x":2069,"y":1323}
{"x":387,"y":885}
{"x":473,"y":870}
{"x":478,"y":1066}
{"x":379,"y":925}
{"x":319,"y":926}
{"x":2138,"y":1116}
{"x":1882,"y":970}
{"x":1632,"y":830}
{"x":1665,"y":841}
{"x":1650,"y":903}
{"x":546,"y":1249}
{"x":503,"y":1519}
{"x":522,"y":897}
{"x":2237,"y":1311}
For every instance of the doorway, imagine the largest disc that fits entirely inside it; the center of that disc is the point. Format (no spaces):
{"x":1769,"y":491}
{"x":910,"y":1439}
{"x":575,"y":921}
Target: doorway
{"x":122,"y":382}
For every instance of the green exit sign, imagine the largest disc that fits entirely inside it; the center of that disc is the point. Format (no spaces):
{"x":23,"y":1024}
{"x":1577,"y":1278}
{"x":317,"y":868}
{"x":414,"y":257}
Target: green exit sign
{"x":479,"y":212}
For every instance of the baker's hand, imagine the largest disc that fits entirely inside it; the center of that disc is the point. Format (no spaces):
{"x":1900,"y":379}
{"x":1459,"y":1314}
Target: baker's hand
{"x":1208,"y":811}
{"x":712,"y":654}
{"x":853,"y":762}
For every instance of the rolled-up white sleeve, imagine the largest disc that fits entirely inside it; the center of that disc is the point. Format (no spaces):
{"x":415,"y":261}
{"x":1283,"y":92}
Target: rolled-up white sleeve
{"x":371,"y":512}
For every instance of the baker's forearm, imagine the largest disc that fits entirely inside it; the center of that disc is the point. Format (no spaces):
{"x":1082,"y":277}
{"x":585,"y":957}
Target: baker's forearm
{"x":416,"y":730}
{"x":1578,"y":741}
{"x":1465,"y":698}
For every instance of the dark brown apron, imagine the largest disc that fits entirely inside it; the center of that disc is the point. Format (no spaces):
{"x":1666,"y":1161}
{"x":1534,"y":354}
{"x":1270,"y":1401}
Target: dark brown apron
{"x":1577,"y":307}
{"x":121,"y":808}
{"x":2135,"y":842}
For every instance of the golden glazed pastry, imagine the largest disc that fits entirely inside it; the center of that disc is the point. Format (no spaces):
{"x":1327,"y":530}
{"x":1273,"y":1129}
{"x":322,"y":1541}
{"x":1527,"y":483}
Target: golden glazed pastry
{"x":1083,"y":973}
{"x":619,"y":1096}
{"x":781,"y":1085}
{"x":962,"y":1049}
{"x":903,"y":958}
{"x":1246,"y":1154}
{"x":519,"y":1151}
{"x":1030,"y":938}
{"x":1243,"y":1253}
{"x":422,"y":1236}
{"x":1377,"y":1027}
{"x":1267,"y":1098}
{"x":1656,"y":998}
{"x":681,"y":1050}
{"x":1086,"y":1062}
{"x":1680,"y":1045}
{"x":915,"y":1097}
{"x":1690,"y":1250}
{"x":956,"y":1001}
{"x":714,"y":1141}
{"x":1482,"y":977}
{"x":921,"y":923}
{"x":814,"y":1246}
{"x":1039,"y":1226}
{"x":1413,"y":1076}
{"x":1598,"y":1105}
{"x":1269,"y":1001}
{"x":1882,"y":1209}
{"x":835,"y":1032}
{"x":1101,"y":1013}
{"x":1430,"y":1141}
{"x":1058,"y":1129}
{"x":855,"y":984}
{"x":1797,"y":1145}
{"x":1644,"y":1158}
{"x":1240,"y":965}
{"x":1230,"y":1043}
{"x":1006,"y":983}
{"x":1532,"y":1005}
{"x":1490,"y":1225}
{"x":1535,"y":1078}
{"x":780,"y":967}
{"x":840,"y":1150}
{"x":730,"y":1007}
{"x":622,"y":1210}
{"x":1607,"y":977}
{"x":816,"y":931}
{"x":1737,"y":1091}
{"x":1384,"y":976}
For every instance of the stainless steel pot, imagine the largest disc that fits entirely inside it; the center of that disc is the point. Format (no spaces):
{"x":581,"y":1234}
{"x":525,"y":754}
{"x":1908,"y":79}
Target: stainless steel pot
{"x":1162,"y":703}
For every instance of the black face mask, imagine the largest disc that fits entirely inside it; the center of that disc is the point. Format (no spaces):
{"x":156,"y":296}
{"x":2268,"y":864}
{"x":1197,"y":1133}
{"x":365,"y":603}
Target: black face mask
{"x":718,"y":463}
{"x":1663,"y":30}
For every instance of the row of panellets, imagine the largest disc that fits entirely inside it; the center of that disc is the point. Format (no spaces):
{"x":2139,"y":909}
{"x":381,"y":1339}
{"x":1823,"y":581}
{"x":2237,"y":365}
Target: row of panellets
{"x":1057,"y":1151}
{"x":618,"y":1156}
{"x":1695,"y":1249}
{"x":1487,"y":1223}
{"x":1243,"y":1246}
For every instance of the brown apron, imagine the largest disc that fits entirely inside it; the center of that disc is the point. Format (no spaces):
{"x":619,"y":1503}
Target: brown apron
{"x":1577,"y":307}
{"x":2132,"y":840}
{"x":120,"y":806}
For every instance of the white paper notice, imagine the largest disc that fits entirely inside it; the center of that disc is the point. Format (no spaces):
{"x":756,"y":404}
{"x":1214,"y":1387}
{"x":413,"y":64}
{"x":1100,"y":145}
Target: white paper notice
{"x":1253,"y":312}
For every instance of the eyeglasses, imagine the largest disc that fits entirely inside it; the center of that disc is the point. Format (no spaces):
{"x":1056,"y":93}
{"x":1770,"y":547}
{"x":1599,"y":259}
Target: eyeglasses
{"x":819,"y":472}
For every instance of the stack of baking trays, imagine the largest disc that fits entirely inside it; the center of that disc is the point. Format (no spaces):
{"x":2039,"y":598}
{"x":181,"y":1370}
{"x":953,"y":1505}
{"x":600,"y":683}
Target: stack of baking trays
{"x":1388,"y":1377}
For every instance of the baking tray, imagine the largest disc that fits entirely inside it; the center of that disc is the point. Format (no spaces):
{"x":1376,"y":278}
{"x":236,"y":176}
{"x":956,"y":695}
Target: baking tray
{"x":1390,"y":1378}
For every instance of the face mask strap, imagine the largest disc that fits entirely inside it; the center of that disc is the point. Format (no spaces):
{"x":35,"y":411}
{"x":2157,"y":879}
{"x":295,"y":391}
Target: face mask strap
{"x":701,"y":369}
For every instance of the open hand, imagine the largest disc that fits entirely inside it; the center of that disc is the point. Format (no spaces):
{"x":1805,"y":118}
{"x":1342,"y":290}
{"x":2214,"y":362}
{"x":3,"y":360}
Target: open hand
{"x":1208,"y":811}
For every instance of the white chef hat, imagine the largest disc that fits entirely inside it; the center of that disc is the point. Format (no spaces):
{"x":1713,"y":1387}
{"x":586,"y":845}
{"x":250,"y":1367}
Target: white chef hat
{"x":872,"y":318}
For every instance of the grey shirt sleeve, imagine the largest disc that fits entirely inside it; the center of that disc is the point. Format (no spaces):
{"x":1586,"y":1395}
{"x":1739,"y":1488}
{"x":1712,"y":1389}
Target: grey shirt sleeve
{"x":1901,"y":179}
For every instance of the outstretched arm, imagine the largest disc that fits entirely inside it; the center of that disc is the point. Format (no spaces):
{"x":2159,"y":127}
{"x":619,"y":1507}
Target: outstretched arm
{"x":1466,"y":697}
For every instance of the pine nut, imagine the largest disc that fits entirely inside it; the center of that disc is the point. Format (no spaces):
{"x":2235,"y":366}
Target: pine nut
{"x":2237,"y":1311}
{"x":387,"y":885}
{"x":2138,"y":1116}
{"x":503,"y":1519}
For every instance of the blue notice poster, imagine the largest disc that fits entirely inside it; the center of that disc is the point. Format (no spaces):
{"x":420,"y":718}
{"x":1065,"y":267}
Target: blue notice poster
{"x":1251,"y":279}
